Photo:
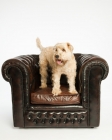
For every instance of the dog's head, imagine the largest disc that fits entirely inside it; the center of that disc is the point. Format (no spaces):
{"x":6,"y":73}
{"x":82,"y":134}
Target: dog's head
{"x":62,"y":53}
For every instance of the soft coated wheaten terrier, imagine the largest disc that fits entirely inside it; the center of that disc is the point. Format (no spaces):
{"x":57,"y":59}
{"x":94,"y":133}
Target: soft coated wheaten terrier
{"x":62,"y":61}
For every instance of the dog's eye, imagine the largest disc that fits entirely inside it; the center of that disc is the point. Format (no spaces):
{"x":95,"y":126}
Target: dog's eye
{"x":56,"y":50}
{"x":63,"y":50}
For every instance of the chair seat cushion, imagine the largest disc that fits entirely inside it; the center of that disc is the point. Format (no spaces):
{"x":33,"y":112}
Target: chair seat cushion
{"x":45,"y":96}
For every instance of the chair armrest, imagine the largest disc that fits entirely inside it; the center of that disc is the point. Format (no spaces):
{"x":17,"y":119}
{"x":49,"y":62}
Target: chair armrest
{"x":92,"y":70}
{"x":90,"y":66}
{"x":27,"y":67}
{"x":22,"y":73}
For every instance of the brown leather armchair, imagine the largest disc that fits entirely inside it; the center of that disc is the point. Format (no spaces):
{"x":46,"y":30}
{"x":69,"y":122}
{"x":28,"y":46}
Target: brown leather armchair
{"x":34,"y":107}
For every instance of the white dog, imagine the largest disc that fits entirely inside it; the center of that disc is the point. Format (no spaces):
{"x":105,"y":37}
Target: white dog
{"x":62,"y":61}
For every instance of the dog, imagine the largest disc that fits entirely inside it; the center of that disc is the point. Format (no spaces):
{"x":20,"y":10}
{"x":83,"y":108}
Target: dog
{"x":62,"y":61}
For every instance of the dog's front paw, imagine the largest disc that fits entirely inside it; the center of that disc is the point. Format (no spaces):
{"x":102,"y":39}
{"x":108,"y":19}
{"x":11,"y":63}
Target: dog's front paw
{"x":56,"y":92}
{"x":43,"y":86}
{"x":73,"y":91}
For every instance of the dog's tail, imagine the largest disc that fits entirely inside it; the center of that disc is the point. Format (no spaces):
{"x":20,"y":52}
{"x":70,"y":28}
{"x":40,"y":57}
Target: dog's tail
{"x":39,"y":44}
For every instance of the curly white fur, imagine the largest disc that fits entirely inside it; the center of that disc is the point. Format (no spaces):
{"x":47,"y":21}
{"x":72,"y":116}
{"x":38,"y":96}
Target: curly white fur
{"x":62,"y":61}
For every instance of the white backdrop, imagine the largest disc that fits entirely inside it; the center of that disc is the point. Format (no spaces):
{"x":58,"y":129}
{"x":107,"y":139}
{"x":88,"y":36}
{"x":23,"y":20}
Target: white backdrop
{"x":86,"y":24}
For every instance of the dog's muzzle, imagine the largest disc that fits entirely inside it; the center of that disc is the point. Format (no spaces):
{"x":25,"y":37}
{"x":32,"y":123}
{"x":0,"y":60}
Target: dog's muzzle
{"x":57,"y":56}
{"x":58,"y":61}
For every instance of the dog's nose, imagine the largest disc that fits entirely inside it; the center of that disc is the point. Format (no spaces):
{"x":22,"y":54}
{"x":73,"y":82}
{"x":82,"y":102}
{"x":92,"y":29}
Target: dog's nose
{"x":56,"y":56}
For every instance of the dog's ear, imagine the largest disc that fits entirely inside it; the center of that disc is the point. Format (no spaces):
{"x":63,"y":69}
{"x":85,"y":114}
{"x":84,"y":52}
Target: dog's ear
{"x":70,"y":46}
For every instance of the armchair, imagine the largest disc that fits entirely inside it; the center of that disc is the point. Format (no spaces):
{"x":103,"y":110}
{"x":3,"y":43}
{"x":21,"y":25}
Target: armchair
{"x":34,"y":107}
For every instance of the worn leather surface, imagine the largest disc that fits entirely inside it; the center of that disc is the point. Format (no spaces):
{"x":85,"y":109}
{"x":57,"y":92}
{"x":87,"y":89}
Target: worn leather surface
{"x":23,"y":74}
{"x":45,"y":96}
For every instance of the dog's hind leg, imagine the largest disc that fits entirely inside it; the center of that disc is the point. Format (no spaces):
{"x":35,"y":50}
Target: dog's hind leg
{"x":71,"y":82}
{"x":43,"y":73}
